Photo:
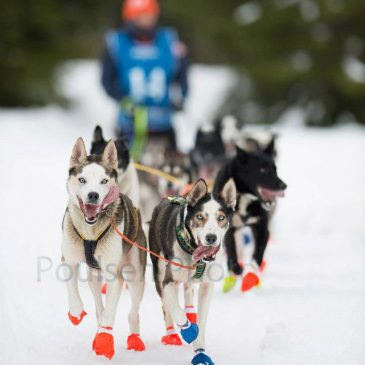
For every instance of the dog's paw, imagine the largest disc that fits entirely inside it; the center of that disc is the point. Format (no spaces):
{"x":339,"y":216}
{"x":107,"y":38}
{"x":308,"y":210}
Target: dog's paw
{"x":249,"y":281}
{"x":172,"y":339}
{"x":103,"y":343}
{"x":202,"y":359}
{"x":189,"y":332}
{"x":76,"y":320}
{"x":134,"y":342}
{"x":229,"y":283}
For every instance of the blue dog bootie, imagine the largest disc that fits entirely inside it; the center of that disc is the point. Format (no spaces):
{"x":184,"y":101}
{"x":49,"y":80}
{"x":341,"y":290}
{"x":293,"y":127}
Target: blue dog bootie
{"x":202,"y":359}
{"x":189,"y":332}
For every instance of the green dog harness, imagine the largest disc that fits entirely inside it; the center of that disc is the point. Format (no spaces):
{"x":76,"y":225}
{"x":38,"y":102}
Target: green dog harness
{"x":184,"y":238}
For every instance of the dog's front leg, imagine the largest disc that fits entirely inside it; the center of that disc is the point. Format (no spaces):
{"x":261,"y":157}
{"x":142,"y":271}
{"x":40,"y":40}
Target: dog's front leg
{"x":95,"y":280}
{"x":104,"y":341}
{"x":205,"y":295}
{"x":76,"y":308}
{"x":189,"y":331}
{"x":189,"y":302}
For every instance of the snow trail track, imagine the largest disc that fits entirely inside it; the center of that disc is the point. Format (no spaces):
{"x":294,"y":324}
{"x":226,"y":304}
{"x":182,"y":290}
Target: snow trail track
{"x":310,"y":308}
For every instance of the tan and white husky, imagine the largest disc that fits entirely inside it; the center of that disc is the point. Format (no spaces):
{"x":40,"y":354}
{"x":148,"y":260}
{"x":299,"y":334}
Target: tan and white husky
{"x":95,"y":207}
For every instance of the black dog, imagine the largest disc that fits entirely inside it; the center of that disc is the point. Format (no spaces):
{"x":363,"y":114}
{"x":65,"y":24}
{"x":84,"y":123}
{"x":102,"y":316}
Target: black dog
{"x":127,"y":175}
{"x":208,"y":154}
{"x":99,"y":143}
{"x":258,"y":185}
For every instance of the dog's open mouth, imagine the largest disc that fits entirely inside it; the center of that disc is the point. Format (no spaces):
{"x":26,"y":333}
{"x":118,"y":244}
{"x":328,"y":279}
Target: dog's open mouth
{"x":205,"y":253}
{"x":269,"y":195}
{"x":93,"y":211}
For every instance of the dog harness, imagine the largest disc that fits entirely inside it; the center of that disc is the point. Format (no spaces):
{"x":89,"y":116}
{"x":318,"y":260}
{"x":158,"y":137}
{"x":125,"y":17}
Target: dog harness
{"x":184,"y":236}
{"x":90,"y":247}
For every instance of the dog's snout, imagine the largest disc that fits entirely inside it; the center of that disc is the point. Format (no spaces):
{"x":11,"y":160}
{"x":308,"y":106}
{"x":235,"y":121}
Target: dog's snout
{"x":93,"y":196}
{"x":211,"y":239}
{"x":283,"y":186}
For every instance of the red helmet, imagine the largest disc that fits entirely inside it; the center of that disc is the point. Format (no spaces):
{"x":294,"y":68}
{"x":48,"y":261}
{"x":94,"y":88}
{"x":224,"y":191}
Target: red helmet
{"x":132,"y":8}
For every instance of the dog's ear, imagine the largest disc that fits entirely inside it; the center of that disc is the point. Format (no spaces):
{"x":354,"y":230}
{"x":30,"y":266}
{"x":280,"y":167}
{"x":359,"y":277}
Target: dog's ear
{"x":78,"y":153}
{"x":251,"y":145}
{"x":110,"y":155}
{"x":229,"y":194}
{"x":98,"y":134}
{"x":242,"y":155}
{"x":270,"y":148}
{"x":198,"y":191}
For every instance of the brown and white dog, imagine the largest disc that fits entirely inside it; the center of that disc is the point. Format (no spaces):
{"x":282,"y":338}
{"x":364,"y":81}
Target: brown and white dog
{"x":190,"y":231}
{"x":95,"y":207}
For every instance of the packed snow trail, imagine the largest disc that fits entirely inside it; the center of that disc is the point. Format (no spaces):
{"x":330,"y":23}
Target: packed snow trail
{"x":309,"y":310}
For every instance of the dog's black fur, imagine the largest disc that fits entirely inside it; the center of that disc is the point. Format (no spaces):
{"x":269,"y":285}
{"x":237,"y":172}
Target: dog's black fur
{"x":270,"y":149}
{"x":209,"y":148}
{"x":250,"y":170}
{"x":99,"y":143}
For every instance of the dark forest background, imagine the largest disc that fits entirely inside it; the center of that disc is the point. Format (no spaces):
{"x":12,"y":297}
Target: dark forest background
{"x":302,"y":53}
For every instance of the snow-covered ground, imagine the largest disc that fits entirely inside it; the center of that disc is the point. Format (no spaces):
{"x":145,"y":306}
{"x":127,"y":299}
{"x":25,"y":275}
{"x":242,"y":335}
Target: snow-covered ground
{"x":310,"y":308}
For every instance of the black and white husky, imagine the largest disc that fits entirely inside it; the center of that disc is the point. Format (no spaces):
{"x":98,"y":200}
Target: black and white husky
{"x":178,"y":168}
{"x":190,"y":231}
{"x":95,"y":207}
{"x":127,"y":175}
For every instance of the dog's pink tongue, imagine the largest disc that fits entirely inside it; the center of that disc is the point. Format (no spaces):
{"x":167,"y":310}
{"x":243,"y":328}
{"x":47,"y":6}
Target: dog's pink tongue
{"x":204,"y":251}
{"x":91,"y":210}
{"x":112,"y":196}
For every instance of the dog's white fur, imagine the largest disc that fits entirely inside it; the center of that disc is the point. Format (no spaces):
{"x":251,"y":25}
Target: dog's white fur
{"x":173,"y":312}
{"x":128,"y":183}
{"x":108,"y":253}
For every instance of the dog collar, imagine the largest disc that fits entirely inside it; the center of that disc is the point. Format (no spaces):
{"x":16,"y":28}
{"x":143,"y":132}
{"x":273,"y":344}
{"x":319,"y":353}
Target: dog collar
{"x":90,"y":247}
{"x":184,"y":237}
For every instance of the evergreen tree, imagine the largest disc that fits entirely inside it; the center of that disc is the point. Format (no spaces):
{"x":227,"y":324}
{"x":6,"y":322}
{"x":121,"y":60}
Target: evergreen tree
{"x":306,"y":53}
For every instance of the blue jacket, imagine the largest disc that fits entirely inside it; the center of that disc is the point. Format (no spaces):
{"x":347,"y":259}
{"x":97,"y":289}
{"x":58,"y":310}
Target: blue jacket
{"x":144,"y":72}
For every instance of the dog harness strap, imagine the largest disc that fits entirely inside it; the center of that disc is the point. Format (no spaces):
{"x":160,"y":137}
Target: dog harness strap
{"x":200,"y":268}
{"x":184,"y":238}
{"x":90,"y":247}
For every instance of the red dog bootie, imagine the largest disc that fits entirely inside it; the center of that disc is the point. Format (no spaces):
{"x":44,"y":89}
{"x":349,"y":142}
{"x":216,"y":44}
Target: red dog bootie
{"x":249,"y":281}
{"x":104,"y":288}
{"x":103,"y":343}
{"x":172,"y":338}
{"x":191,"y":314}
{"x":134,"y":342}
{"x":76,"y":320}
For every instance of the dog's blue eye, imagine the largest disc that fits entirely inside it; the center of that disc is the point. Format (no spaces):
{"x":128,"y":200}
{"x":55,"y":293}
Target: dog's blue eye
{"x":104,"y":181}
{"x":221,"y":217}
{"x":82,"y":180}
{"x":199,"y":217}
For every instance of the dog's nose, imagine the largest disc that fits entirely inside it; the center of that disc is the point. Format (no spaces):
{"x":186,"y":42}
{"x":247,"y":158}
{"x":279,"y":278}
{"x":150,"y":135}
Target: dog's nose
{"x":93,"y":197}
{"x":283,"y":186}
{"x":211,"y":239}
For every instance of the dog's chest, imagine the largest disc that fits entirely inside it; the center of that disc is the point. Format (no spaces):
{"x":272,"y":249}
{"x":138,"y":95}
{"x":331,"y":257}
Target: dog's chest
{"x":107,"y":251}
{"x":245,"y":201}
